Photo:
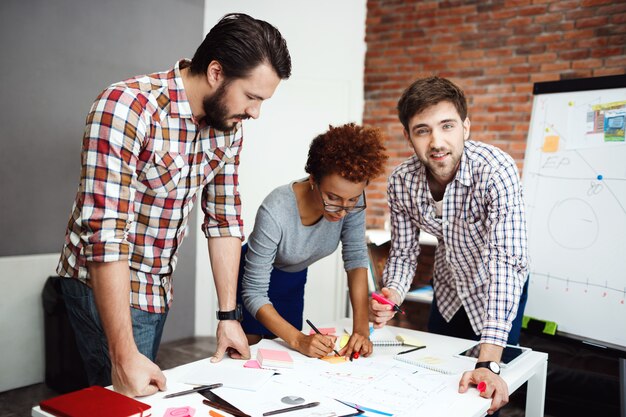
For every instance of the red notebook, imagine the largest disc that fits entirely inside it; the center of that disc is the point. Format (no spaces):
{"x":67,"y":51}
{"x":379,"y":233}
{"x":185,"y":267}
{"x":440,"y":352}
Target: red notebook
{"x":95,"y":402}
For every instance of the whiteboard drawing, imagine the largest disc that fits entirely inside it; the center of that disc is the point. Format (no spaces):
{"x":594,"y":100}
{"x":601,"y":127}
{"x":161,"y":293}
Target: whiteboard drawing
{"x":575,"y":190}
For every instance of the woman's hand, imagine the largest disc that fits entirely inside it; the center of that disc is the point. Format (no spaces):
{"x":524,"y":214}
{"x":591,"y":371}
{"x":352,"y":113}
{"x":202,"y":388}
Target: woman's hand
{"x":315,"y":345}
{"x":358,"y":342}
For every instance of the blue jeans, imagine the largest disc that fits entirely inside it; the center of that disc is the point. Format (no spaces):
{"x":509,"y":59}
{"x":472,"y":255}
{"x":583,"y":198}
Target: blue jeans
{"x":90,"y":337}
{"x":460,"y":325}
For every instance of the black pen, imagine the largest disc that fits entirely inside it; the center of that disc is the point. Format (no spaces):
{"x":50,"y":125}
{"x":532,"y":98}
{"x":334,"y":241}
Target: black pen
{"x":294,"y":408}
{"x":411,"y":350}
{"x":320,"y":333}
{"x":190,"y":391}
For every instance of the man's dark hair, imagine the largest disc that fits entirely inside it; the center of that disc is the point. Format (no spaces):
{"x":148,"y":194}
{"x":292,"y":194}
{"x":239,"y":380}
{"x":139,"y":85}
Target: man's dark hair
{"x":240,"y":43}
{"x":426,"y":92}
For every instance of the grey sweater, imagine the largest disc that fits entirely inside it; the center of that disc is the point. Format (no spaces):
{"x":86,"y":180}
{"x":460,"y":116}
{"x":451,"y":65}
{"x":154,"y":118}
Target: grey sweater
{"x":280,"y":240}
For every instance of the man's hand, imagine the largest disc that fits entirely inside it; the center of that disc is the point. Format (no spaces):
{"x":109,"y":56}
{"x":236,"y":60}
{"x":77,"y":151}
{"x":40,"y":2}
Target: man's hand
{"x":496,"y":388}
{"x":315,"y":345}
{"x":231,"y":338}
{"x":137,"y":376}
{"x":380,"y":313}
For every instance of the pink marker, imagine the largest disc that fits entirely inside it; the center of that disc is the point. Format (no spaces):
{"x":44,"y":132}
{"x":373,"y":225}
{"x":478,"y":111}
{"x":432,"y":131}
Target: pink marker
{"x":482,"y":387}
{"x":383,"y":300}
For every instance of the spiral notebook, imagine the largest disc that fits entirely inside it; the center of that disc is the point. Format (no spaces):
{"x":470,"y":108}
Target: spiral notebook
{"x":381,"y":337}
{"x":443,"y":364}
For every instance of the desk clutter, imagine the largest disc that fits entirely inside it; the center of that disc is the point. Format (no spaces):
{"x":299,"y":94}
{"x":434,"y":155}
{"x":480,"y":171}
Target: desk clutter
{"x":337,"y":387}
{"x":283,"y":381}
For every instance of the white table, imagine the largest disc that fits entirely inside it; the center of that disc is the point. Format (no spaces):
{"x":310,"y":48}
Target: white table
{"x":530,"y":368}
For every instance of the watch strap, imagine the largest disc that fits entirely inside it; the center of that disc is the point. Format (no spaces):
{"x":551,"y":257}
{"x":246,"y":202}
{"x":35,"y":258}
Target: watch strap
{"x":491,"y":365}
{"x":235,"y":314}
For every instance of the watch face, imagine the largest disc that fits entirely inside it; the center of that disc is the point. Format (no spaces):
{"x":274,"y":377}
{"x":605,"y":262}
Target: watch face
{"x":494,"y":367}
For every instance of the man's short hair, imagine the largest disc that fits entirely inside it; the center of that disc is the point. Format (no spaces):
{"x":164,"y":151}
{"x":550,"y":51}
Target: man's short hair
{"x":427,"y":92}
{"x":240,"y":43}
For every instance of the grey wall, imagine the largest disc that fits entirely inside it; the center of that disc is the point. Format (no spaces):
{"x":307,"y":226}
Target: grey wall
{"x":57,"y":55}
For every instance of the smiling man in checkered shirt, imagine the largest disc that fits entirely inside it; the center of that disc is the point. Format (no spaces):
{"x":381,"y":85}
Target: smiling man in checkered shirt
{"x":467,"y":194}
{"x":150,"y":144}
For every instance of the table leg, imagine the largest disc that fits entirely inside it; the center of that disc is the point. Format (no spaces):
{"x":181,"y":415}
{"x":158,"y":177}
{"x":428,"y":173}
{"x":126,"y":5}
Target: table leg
{"x":622,"y":388}
{"x":536,"y":392}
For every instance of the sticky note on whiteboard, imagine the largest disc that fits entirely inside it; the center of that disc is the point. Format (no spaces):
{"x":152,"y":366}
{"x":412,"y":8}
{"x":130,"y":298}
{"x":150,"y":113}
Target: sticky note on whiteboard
{"x":550,"y":143}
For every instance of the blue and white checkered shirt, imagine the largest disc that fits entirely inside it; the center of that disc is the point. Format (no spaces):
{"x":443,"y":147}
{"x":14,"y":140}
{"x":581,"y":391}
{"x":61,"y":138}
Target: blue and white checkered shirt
{"x":481,"y":260}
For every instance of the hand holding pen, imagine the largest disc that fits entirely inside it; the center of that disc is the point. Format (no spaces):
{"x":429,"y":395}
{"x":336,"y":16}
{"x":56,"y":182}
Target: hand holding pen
{"x":358,"y":343}
{"x":383,"y":307}
{"x":320,"y":334}
{"x":383,"y":300}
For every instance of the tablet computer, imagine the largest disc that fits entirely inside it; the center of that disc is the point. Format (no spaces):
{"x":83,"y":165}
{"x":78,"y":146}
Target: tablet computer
{"x":510,"y":354}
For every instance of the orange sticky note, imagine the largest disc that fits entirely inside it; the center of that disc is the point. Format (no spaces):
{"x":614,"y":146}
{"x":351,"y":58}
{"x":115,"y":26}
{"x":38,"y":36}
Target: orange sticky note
{"x":334,"y":359}
{"x":550,"y":143}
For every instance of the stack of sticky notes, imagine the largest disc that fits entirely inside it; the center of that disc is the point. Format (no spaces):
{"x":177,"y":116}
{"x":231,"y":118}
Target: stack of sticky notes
{"x":272,"y":358}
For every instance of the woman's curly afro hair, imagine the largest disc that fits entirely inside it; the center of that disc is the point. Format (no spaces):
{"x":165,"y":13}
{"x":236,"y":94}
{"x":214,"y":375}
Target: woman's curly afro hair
{"x":354,"y":152}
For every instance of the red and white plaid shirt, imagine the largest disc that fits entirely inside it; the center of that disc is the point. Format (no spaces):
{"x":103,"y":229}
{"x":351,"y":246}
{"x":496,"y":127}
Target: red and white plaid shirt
{"x":481,"y":261}
{"x":144,"y":158}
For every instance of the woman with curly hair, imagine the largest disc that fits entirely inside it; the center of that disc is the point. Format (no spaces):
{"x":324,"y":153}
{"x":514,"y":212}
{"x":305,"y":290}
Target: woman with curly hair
{"x":299,"y":223}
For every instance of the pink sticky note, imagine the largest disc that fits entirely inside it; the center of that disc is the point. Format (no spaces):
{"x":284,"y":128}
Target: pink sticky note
{"x":325,"y":330}
{"x":252,"y":364}
{"x":272,"y":358}
{"x":180,"y":412}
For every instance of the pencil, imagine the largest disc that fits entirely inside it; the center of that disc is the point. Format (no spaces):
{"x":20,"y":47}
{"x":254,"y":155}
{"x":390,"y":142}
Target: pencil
{"x":320,"y":333}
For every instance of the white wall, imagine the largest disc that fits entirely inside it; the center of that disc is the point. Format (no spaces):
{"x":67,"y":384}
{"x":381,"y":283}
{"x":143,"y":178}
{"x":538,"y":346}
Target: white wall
{"x":21,"y":318}
{"x":326,"y":40}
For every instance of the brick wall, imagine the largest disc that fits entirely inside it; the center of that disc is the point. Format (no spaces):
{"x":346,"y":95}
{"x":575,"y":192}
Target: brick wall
{"x":495,"y":50}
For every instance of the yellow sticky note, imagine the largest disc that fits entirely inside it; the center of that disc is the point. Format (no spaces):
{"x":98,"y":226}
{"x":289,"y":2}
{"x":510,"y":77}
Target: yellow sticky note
{"x":334,"y":359}
{"x":550,"y":143}
{"x":408,"y":340}
{"x":344,"y":340}
{"x":431,"y":360}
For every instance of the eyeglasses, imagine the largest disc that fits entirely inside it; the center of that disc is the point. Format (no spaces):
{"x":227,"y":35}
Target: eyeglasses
{"x":334,"y":208}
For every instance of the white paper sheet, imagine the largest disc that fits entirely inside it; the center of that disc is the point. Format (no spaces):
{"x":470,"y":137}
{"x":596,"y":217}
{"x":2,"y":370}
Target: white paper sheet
{"x":230,"y":374}
{"x":282,"y":392}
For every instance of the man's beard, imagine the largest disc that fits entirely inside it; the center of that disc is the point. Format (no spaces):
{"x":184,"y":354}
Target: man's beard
{"x":215,"y":111}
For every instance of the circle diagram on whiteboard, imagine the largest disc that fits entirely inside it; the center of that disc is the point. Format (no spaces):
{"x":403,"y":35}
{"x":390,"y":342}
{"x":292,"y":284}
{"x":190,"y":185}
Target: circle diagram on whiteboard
{"x":573,"y":232}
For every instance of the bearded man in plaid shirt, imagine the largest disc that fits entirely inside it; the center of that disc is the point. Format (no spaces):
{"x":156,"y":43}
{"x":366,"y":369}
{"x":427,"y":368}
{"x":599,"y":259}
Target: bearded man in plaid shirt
{"x":150,"y":143}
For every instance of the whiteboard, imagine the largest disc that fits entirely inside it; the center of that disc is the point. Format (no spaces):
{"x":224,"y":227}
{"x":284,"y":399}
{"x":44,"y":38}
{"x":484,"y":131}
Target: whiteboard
{"x":575,"y":190}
